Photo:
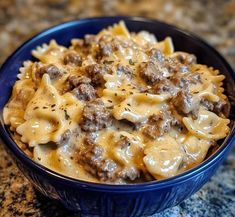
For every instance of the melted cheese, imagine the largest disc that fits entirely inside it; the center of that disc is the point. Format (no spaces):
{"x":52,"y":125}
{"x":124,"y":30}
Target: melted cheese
{"x":137,"y":108}
{"x":42,"y":110}
{"x":13,"y":113}
{"x":164,"y":157}
{"x":208,"y":125}
{"x":48,"y":115}
{"x":195,"y":149}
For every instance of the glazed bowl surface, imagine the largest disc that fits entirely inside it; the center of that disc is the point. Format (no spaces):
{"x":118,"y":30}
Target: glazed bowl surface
{"x":106,"y":200}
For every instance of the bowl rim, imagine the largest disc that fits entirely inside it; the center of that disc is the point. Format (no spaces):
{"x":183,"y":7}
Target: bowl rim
{"x":121,"y":188}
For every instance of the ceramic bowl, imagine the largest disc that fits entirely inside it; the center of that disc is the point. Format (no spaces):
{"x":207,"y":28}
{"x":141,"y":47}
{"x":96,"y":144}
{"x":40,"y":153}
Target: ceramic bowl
{"x":116,"y":200}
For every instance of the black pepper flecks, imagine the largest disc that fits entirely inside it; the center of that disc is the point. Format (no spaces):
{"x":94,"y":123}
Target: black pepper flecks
{"x":66,"y":115}
{"x":131,"y":62}
{"x":108,"y":62}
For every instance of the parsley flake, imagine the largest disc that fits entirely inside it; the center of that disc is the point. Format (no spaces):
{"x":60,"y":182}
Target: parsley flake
{"x":131,"y":62}
{"x":66,"y":115}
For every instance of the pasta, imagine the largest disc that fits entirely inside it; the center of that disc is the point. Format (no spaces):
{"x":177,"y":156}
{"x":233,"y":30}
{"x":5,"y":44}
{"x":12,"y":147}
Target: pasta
{"x":117,"y":107}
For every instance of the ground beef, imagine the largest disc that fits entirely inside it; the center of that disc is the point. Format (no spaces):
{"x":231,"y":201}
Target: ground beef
{"x":91,"y":153}
{"x":84,"y":92}
{"x":185,"y":58}
{"x":73,"y":58}
{"x":92,"y":159}
{"x":183,"y":82}
{"x":151,"y":131}
{"x":221,"y":107}
{"x":65,"y":137}
{"x":96,"y":73}
{"x":159,"y":124}
{"x":130,"y":173}
{"x":118,"y":45}
{"x":180,"y":82}
{"x":107,"y":170}
{"x":127,"y":70}
{"x":90,"y":138}
{"x":155,"y":55}
{"x":74,"y":81}
{"x":174,"y":66}
{"x":51,"y":70}
{"x":194,"y":78}
{"x":151,"y":72}
{"x":95,"y":116}
{"x":185,"y":104}
{"x":165,"y":86}
{"x":105,"y":49}
{"x":160,"y":67}
{"x":207,"y":104}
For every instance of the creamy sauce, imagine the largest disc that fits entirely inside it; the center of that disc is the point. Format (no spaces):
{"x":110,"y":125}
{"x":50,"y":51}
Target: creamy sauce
{"x":46,"y":110}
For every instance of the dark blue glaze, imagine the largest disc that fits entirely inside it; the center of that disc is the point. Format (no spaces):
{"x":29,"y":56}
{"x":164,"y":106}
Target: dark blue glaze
{"x":116,"y":200}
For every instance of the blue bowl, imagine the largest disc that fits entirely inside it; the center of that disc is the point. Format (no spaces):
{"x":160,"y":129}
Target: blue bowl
{"x":116,"y":200}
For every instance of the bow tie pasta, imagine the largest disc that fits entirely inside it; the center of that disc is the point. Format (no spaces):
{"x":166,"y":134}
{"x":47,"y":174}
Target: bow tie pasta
{"x":117,"y":107}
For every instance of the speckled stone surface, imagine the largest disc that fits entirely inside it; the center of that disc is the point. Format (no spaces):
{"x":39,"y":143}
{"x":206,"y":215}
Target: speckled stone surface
{"x":212,"y":20}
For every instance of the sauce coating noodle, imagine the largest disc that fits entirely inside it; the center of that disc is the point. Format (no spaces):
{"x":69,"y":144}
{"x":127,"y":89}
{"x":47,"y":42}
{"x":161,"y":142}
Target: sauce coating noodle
{"x":117,"y":107}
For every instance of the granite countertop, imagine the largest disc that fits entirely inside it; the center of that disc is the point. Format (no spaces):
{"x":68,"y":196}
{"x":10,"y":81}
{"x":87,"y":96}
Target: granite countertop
{"x":212,"y":20}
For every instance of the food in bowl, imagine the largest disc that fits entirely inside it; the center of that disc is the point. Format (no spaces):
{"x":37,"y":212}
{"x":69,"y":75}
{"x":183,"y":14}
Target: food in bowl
{"x":117,"y":107}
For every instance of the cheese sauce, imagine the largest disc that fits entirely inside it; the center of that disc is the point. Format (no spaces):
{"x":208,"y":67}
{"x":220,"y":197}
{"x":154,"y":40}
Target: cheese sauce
{"x":117,"y":107}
